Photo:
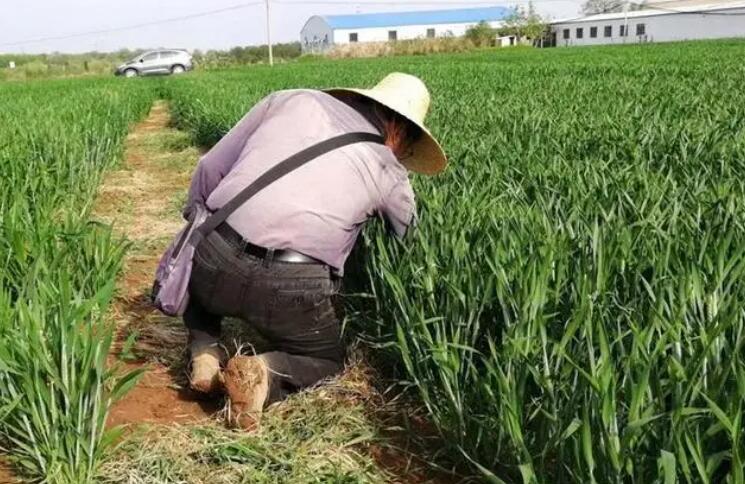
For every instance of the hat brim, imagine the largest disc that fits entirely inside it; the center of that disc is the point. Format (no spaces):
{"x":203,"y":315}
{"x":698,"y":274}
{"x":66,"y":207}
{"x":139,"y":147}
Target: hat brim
{"x":428,"y":157}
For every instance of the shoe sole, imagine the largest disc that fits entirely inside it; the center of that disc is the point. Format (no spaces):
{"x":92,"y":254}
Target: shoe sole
{"x":242,"y":378}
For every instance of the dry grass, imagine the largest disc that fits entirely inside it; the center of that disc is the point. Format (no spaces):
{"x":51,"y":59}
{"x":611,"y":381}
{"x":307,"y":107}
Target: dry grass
{"x":7,"y":476}
{"x":314,"y":436}
{"x":402,"y":47}
{"x":341,"y":431}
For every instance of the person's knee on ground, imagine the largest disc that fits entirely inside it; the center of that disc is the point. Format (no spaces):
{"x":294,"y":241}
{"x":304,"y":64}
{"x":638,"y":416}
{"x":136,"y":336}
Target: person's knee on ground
{"x":206,"y":358}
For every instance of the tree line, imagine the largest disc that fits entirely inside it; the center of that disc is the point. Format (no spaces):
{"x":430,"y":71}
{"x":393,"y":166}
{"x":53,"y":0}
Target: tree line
{"x":38,"y":65}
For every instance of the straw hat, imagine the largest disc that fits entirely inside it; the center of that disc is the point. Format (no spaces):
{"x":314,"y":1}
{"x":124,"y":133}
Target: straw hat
{"x":408,"y":96}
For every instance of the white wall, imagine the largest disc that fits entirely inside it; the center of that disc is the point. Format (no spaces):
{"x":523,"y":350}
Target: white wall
{"x":659,"y":28}
{"x":316,"y":35}
{"x":380,"y":34}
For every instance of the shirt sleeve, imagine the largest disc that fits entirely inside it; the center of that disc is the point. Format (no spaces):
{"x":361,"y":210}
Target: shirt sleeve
{"x":218,"y":161}
{"x":399,"y":208}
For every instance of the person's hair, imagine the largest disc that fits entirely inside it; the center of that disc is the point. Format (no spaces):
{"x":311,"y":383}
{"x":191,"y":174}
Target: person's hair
{"x":399,"y":133}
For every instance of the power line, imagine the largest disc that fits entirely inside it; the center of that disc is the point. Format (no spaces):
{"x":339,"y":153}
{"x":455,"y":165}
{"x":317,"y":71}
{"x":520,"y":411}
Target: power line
{"x":465,"y":4}
{"x":654,"y":10}
{"x":695,"y":12}
{"x":255,"y":3}
{"x":326,"y":2}
{"x":132,"y":27}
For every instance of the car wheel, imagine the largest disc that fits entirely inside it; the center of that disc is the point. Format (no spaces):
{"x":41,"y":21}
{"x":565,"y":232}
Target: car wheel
{"x":177,"y":69}
{"x":130,"y":73}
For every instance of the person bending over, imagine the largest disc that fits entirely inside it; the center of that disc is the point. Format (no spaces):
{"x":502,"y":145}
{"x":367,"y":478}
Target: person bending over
{"x":277,"y":261}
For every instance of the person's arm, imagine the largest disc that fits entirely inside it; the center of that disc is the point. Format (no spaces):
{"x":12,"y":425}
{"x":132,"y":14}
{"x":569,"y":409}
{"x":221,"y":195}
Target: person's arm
{"x":399,"y":208}
{"x":218,"y":161}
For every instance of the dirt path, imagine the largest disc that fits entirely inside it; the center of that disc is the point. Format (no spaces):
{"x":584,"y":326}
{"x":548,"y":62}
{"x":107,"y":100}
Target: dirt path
{"x":142,"y":199}
{"x":7,"y":476}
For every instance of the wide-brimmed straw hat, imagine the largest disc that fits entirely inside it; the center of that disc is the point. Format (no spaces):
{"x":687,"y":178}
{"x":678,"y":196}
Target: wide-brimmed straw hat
{"x":408,"y":96}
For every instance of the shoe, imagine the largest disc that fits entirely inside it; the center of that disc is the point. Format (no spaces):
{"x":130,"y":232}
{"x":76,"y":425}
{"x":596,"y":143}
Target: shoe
{"x":247,"y":384}
{"x":205,"y":376}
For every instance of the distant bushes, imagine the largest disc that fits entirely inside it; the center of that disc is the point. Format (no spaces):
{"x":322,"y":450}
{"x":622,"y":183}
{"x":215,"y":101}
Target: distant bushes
{"x":482,"y":34}
{"x":97,"y":63}
{"x":215,"y":59}
{"x":403,"y":47}
{"x":61,"y":65}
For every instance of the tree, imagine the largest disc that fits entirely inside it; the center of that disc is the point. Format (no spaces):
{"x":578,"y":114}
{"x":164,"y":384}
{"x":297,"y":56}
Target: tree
{"x":591,"y":7}
{"x":481,"y":34}
{"x":534,"y":27}
{"x":524,"y":23}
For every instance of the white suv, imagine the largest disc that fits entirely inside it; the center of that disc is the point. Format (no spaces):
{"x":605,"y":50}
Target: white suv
{"x":157,"y":62}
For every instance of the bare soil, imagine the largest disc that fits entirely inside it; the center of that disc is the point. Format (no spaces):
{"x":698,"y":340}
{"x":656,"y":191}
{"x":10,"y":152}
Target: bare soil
{"x":6,"y":473}
{"x":137,"y":198}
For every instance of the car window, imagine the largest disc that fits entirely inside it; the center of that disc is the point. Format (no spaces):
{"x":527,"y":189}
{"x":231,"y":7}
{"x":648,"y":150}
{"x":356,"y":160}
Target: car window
{"x":167,"y":55}
{"x":150,"y":57}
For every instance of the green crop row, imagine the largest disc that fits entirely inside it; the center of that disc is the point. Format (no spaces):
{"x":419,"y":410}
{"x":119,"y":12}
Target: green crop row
{"x":57,"y":271}
{"x":570,"y":306}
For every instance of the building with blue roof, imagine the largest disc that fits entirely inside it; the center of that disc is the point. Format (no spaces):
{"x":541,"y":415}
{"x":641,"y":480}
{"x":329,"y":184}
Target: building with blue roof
{"x":322,"y":32}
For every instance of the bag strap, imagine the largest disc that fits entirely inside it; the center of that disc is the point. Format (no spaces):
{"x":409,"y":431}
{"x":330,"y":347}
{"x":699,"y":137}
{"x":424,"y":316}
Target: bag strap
{"x":278,"y":171}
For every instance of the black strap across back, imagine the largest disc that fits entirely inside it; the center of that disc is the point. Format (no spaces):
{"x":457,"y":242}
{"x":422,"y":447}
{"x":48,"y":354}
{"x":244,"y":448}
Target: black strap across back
{"x":278,"y":171}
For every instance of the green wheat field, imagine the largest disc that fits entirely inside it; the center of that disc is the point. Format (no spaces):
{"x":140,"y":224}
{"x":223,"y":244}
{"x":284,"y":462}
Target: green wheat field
{"x":569,"y":308}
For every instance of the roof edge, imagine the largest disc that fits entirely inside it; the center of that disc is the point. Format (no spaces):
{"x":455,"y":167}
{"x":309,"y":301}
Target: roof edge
{"x":311,"y":18}
{"x":332,"y":20}
{"x":650,"y":12}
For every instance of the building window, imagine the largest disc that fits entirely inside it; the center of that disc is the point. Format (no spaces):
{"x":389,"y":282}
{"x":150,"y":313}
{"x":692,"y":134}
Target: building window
{"x":641,"y":29}
{"x":566,"y":33}
{"x":353,"y":37}
{"x":593,"y":32}
{"x":430,"y":33}
{"x":622,"y":30}
{"x":579,"y":33}
{"x":392,"y":35}
{"x":608,"y":31}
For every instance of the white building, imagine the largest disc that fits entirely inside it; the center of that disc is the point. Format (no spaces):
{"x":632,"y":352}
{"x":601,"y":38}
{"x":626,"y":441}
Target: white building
{"x":661,"y":22}
{"x":322,"y":32}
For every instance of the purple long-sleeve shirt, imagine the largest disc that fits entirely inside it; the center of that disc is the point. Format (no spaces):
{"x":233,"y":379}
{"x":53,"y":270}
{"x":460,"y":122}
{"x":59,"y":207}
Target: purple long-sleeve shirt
{"x":320,"y":208}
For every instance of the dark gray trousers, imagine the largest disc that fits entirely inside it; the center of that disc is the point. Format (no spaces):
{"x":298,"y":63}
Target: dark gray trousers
{"x":290,"y":305}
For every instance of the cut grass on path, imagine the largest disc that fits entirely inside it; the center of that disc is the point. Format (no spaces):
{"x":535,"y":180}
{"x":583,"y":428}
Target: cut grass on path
{"x":339,"y":432}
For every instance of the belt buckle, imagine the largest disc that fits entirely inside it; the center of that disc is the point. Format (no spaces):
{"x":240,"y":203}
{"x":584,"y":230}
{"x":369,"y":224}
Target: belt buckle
{"x":268,"y":257}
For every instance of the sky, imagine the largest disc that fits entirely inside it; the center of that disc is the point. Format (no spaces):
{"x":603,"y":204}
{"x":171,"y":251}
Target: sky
{"x":23,"y":22}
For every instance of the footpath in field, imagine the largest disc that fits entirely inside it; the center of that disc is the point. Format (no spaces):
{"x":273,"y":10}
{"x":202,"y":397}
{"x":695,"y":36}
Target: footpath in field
{"x":7,"y":476}
{"x":140,"y":198}
{"x":332,"y":433}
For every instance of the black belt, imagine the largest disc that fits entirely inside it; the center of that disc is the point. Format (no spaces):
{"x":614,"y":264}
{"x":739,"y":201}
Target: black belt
{"x":280,"y":255}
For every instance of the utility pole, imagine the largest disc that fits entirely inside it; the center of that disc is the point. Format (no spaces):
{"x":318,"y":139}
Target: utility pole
{"x":625,"y":20}
{"x":269,"y":34}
